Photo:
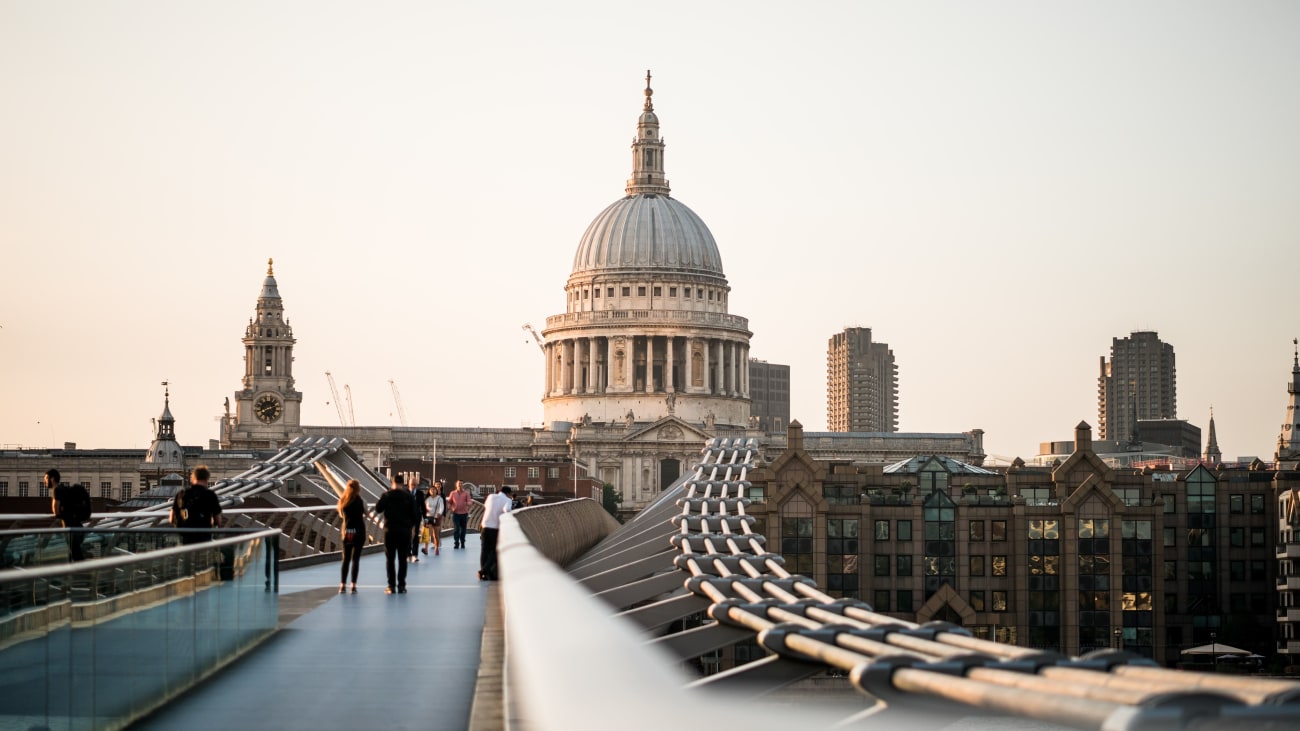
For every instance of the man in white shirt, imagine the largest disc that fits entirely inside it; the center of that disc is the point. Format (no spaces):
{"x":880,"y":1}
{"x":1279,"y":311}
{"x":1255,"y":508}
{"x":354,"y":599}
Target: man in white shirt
{"x":496,"y":504}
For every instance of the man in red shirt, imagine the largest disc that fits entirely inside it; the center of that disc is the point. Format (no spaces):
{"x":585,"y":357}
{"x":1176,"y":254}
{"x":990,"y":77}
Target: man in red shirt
{"x":459,"y":499}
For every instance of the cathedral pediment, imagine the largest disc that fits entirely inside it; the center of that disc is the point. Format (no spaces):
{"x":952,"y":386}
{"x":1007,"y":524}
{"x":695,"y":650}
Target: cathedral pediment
{"x":667,"y":429}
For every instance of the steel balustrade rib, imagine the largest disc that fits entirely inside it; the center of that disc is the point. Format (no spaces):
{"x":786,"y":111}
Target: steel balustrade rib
{"x":936,"y":671}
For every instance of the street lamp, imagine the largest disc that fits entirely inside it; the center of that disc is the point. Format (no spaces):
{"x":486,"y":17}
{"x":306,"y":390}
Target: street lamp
{"x":1214,"y":649}
{"x":1118,"y":644}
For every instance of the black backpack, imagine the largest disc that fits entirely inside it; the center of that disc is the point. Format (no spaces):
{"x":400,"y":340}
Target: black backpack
{"x":191,"y":512}
{"x":74,"y":504}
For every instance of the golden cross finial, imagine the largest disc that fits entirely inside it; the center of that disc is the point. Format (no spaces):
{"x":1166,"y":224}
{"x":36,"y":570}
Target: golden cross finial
{"x":270,"y":267}
{"x":649,"y":106}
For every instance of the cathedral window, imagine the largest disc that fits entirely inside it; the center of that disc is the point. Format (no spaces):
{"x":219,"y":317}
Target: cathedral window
{"x":658,"y":291}
{"x":688,"y":291}
{"x":609,"y":292}
{"x":585,"y":293}
{"x":699,"y":294}
{"x":595,"y":293}
{"x":672,"y":291}
{"x":627,"y":291}
{"x":640,"y":291}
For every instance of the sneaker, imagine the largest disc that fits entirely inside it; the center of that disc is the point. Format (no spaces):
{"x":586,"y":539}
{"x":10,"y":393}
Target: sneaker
{"x":402,"y":590}
{"x":388,"y":590}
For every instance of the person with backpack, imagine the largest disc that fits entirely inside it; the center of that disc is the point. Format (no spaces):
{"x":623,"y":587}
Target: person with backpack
{"x":196,"y":506}
{"x":400,"y":518}
{"x":71,"y":505}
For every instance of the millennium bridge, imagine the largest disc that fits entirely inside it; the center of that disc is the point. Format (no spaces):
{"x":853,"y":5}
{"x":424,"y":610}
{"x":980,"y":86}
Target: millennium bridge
{"x":594,"y":625}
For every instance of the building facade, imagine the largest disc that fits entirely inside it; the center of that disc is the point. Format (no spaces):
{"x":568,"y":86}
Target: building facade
{"x":769,"y":396}
{"x":861,"y":383}
{"x":1138,"y":382}
{"x":1288,"y":439}
{"x":1073,"y":557}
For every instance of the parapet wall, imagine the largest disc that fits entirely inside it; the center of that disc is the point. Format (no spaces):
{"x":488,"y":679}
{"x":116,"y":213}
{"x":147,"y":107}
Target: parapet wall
{"x":564,"y":531}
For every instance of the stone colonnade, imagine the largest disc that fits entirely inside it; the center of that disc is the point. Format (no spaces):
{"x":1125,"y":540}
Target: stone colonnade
{"x":618,"y":364}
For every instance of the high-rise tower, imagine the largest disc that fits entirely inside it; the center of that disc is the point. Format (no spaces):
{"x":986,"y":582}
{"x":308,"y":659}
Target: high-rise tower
{"x":1288,"y":441}
{"x":268,"y":410}
{"x":861,"y":383}
{"x":1137,"y":383}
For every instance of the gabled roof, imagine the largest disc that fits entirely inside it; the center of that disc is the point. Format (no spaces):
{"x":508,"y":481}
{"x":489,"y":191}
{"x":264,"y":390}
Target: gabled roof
{"x":949,"y":465}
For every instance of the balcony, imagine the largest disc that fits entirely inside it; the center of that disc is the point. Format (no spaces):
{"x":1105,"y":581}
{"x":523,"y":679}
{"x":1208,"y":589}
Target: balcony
{"x":609,"y":317}
{"x":1288,"y":583}
{"x":1288,"y":550}
{"x":1288,"y":614}
{"x":1289,"y":647}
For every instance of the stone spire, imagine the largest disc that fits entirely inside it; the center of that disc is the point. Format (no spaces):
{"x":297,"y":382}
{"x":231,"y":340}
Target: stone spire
{"x":647,"y":152}
{"x":1212,"y":453}
{"x":1288,"y":441}
{"x":165,"y":454}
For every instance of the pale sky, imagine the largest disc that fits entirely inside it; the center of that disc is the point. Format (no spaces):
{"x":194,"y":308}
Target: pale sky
{"x":996,"y":189}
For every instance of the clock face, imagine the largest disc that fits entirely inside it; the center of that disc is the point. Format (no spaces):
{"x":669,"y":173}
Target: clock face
{"x":267,"y":408}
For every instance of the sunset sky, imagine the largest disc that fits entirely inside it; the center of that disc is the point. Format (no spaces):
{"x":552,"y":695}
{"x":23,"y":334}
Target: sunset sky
{"x":997,"y":189}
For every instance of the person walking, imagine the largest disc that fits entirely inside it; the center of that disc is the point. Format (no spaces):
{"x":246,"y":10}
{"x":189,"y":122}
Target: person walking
{"x":459,"y":500}
{"x":353,"y":511}
{"x":417,"y":499}
{"x":400,"y":517}
{"x":434,"y":507}
{"x":496,"y":505}
{"x":71,"y":505}
{"x":196,"y":507}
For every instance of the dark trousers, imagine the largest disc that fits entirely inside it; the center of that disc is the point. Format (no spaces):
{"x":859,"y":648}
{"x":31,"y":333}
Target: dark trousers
{"x":351,"y":556}
{"x":76,"y":537}
{"x":487,"y":558}
{"x":459,"y":523}
{"x":397,"y":546}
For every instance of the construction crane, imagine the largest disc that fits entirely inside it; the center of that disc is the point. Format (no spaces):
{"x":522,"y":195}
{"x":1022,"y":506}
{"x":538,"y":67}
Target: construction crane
{"x":352,"y":415}
{"x":334,"y":394}
{"x":538,"y":338}
{"x":397,"y":398}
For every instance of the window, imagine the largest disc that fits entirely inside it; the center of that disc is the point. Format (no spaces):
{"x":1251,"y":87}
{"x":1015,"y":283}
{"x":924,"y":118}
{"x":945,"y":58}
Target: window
{"x":595,"y":293}
{"x":45,"y":491}
{"x":1257,"y":504}
{"x":22,"y":488}
{"x":1237,"y":537}
{"x":687,"y":292}
{"x":1171,"y":537}
{"x":1256,"y":537}
{"x":797,"y":543}
{"x":1257,"y":571}
{"x":999,"y":530}
{"x":510,"y":472}
{"x":842,"y":557}
{"x":977,"y":530}
{"x":1236,"y":503}
{"x":904,"y":600}
{"x":999,"y":565}
{"x":904,"y":530}
{"x":1237,"y":570}
{"x":4,"y":488}
{"x":882,"y":565}
{"x":1171,"y":570}
{"x":710,"y":295}
{"x":903,"y":565}
{"x":1170,"y":505}
{"x":106,"y":489}
{"x":552,"y":472}
{"x":640,"y":291}
{"x":699,"y":294}
{"x":126,"y":490}
{"x":586,"y":294}
{"x":977,"y":601}
{"x":609,"y":292}
{"x":672,"y":291}
{"x":627,"y":291}
{"x":999,"y":601}
{"x":976,"y":565}
{"x":534,"y":473}
{"x":882,"y":530}
{"x":881,"y":601}
{"x":658,"y":291}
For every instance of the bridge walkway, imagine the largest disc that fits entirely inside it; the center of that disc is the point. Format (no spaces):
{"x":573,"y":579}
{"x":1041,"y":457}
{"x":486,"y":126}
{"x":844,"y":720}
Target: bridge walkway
{"x":369,"y":660}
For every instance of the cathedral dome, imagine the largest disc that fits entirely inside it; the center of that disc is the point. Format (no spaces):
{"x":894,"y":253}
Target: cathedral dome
{"x":648,"y":231}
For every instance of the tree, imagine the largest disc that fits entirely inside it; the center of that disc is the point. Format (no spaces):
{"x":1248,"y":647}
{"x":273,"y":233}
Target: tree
{"x":610,"y":499}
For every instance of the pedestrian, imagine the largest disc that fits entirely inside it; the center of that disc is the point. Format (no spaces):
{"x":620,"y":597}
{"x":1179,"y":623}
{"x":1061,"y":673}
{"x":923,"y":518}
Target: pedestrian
{"x":196,"y":506}
{"x":353,"y":511}
{"x":434,"y":507}
{"x":71,"y":505}
{"x":459,"y":500}
{"x":496,"y":504}
{"x":417,"y":499}
{"x":400,"y":517}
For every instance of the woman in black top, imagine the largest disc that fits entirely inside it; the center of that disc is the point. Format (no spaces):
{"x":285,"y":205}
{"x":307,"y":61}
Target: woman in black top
{"x":353,"y":510}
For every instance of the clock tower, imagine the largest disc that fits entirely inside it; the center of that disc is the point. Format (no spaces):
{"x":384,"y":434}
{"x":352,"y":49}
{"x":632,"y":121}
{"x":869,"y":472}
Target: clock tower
{"x":268,"y":411}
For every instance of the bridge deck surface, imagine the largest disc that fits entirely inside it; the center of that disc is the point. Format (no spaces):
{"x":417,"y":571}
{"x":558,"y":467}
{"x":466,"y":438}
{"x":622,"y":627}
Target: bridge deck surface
{"x":368,"y":660}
